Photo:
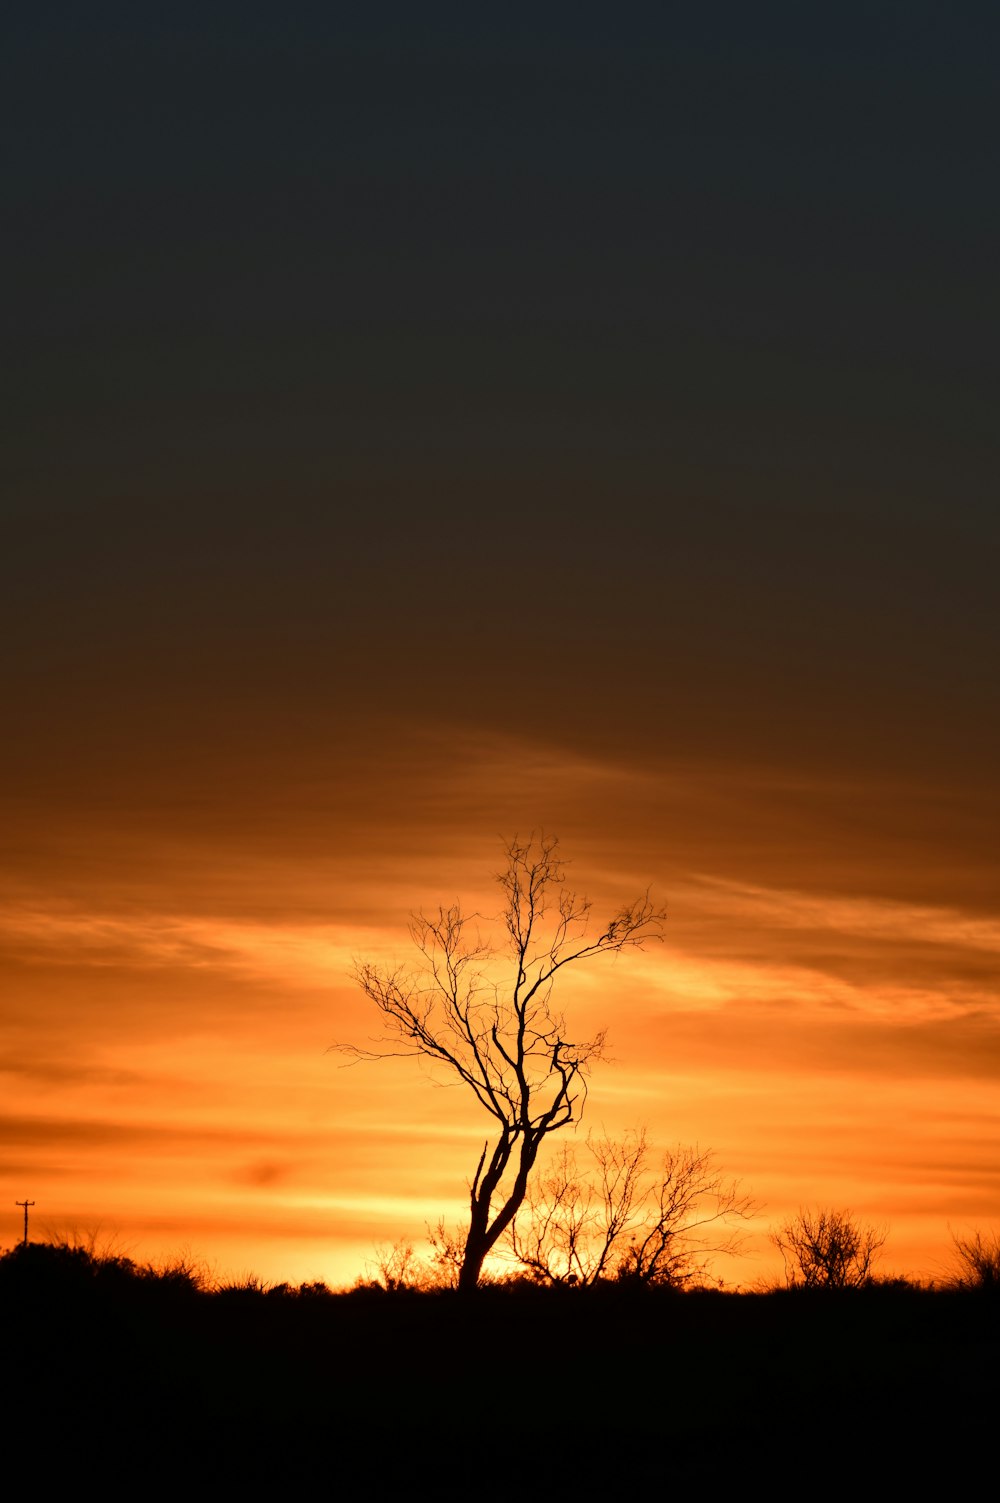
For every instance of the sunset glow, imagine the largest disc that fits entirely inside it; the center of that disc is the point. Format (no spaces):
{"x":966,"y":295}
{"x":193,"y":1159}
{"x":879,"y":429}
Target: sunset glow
{"x":168,"y":1079}
{"x":427,"y":432}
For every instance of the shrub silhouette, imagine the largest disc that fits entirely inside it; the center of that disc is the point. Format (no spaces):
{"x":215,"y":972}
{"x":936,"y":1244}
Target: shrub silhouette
{"x":65,"y":1269}
{"x":827,"y":1249}
{"x":629,"y":1215}
{"x":978,"y":1261}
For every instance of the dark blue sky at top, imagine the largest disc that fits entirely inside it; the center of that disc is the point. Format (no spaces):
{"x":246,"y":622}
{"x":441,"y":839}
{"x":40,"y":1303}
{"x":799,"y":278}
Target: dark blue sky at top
{"x":659,"y":337}
{"x":691,"y":239}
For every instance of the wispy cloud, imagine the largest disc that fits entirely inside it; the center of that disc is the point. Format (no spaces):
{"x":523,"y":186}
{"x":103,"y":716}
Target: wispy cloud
{"x":295,"y":952}
{"x":899,"y":922}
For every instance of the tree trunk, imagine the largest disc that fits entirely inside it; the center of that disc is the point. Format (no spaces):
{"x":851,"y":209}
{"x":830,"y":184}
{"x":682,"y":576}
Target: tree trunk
{"x":472,"y":1267}
{"x":482,"y":1235}
{"x":477,"y":1245}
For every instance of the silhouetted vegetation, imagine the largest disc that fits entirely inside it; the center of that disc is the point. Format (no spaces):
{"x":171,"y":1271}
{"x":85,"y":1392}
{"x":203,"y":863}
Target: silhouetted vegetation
{"x":63,"y":1268}
{"x":977,"y":1259}
{"x":829,"y":1249}
{"x":493,"y":1027}
{"x":626,"y":1215}
{"x":158,"y":1373}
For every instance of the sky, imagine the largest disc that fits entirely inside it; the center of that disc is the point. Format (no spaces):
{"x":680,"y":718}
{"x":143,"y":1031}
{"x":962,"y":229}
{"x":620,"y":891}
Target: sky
{"x":432,"y":425}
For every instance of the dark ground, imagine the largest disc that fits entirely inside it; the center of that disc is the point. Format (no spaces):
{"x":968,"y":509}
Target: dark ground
{"x":152,"y":1382}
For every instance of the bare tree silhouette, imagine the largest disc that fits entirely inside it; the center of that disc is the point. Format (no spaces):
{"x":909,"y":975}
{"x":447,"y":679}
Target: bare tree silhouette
{"x":484,"y":1013}
{"x":396,"y":1267}
{"x":977,"y":1259}
{"x":828,"y":1249}
{"x":622,"y":1216}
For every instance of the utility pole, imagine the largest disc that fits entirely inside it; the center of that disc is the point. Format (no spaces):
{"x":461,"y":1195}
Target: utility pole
{"x":26,"y":1204}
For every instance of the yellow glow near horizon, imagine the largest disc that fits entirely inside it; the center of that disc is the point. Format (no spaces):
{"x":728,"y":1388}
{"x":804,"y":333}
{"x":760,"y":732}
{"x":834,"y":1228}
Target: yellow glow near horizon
{"x":166,"y":1066}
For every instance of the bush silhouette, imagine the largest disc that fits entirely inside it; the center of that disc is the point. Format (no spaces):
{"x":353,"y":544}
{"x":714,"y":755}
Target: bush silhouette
{"x":828,"y":1249}
{"x":978,"y":1261}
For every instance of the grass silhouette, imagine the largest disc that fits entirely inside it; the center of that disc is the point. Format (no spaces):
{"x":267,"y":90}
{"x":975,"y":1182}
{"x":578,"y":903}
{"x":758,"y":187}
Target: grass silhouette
{"x":159,"y":1370}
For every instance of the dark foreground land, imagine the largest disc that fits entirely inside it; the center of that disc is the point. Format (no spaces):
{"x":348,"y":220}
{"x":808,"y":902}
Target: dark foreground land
{"x":143,"y":1382}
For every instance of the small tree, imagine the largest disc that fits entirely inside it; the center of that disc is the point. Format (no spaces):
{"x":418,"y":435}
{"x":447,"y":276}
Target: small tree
{"x":828,"y":1249}
{"x":622,"y":1217}
{"x":396,"y":1267}
{"x":978,"y":1261}
{"x":446,"y":1256}
{"x":495,"y":1029}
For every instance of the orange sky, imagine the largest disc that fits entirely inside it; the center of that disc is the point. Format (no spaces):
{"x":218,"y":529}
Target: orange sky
{"x":823,"y":1012}
{"x":427,"y":428}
